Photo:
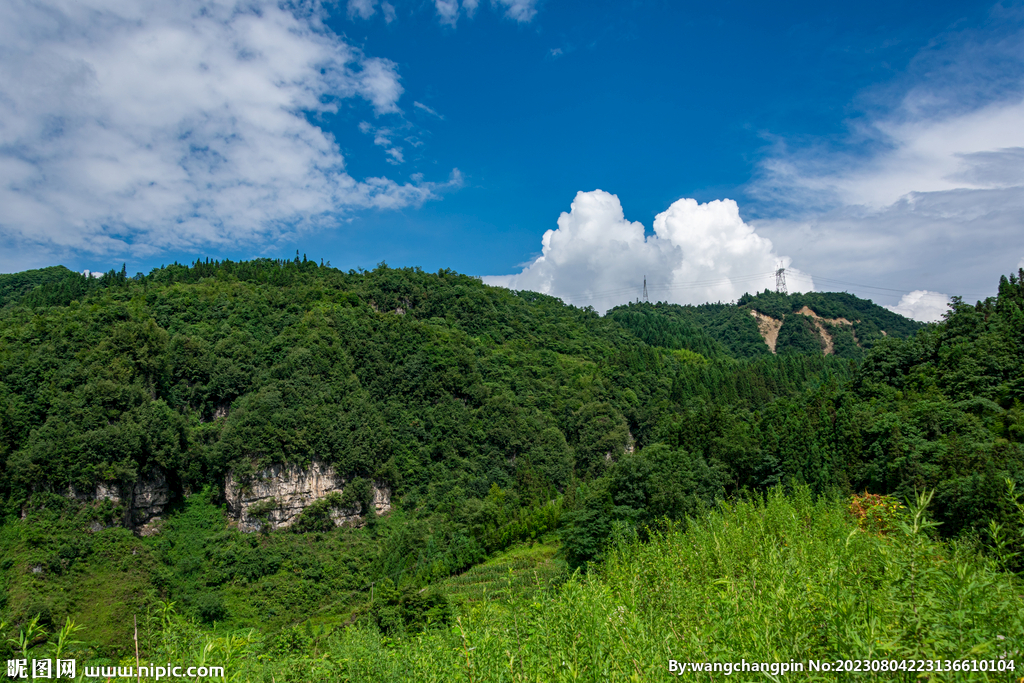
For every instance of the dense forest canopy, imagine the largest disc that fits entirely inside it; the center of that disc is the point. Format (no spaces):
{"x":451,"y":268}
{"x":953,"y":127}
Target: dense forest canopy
{"x":14,"y":286}
{"x":491,"y":415}
{"x":432,"y":381}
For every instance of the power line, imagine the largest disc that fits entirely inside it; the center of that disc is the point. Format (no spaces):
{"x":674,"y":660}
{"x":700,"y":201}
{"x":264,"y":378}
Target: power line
{"x":696,"y":284}
{"x":818,"y":278}
{"x":765,"y":277}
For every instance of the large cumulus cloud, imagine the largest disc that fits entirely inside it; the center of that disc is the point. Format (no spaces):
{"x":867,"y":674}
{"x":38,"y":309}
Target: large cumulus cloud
{"x":698,"y":252}
{"x":922,"y":305}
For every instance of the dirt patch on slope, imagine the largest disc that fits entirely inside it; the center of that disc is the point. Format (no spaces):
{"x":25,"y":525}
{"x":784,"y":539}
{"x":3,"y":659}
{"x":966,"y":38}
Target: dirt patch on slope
{"x":768,"y":327}
{"x":835,"y":321}
{"x":828,"y":346}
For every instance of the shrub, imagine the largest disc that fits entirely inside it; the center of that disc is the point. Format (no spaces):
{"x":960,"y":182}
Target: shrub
{"x":877,"y":514}
{"x":210,"y":607}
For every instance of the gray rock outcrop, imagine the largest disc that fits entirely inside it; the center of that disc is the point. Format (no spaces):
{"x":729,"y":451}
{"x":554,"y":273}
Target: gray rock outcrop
{"x":277,"y":495}
{"x":142,"y":500}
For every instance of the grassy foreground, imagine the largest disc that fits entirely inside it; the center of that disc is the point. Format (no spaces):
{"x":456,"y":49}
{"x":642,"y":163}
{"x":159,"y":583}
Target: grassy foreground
{"x":782,"y":579}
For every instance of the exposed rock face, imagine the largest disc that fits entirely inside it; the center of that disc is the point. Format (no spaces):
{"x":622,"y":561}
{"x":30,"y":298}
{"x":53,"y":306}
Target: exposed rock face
{"x":143,"y":500}
{"x":823,"y":331}
{"x":151,"y":528}
{"x":768,"y":327}
{"x":150,"y":497}
{"x":281,"y":492}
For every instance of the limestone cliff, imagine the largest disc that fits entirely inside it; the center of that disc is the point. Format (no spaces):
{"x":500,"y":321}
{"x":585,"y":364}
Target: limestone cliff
{"x":143,"y":500}
{"x":280,"y":493}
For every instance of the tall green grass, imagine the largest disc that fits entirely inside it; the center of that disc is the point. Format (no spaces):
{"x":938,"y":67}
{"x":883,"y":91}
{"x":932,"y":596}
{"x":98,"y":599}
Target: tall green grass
{"x":780,"y":579}
{"x":522,"y":571}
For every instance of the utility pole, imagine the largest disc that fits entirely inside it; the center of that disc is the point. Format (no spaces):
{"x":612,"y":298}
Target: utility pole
{"x":646,"y":300}
{"x":780,"y":280}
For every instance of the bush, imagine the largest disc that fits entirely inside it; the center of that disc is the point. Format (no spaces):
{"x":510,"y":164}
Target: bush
{"x":408,"y":610}
{"x":209,"y":607}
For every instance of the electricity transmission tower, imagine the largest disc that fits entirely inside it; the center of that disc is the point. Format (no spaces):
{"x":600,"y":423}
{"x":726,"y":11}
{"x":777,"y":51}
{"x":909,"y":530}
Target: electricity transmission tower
{"x":780,"y":280}
{"x":645,"y":289}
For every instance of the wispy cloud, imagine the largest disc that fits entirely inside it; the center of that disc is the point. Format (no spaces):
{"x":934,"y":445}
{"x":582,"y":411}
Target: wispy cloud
{"x":382,"y":138}
{"x":522,"y":11}
{"x":423,"y":107}
{"x":364,"y":9}
{"x":927,"y":190}
{"x":448,"y":11}
{"x":979,"y":150}
{"x":137,"y":127}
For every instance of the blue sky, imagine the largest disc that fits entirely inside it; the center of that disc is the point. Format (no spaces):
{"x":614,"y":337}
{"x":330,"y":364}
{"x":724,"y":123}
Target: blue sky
{"x":871,"y":147}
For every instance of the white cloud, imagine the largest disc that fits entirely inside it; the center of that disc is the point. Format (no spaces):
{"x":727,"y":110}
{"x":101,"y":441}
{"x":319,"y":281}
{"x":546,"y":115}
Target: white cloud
{"x":521,"y":11}
{"x":131,"y":126}
{"x":980,"y":150}
{"x":927,"y":191}
{"x":698,"y":253}
{"x":956,"y":241}
{"x":420,"y":105}
{"x":447,"y":11}
{"x":364,"y":9}
{"x":922,"y":305}
{"x":382,"y":138}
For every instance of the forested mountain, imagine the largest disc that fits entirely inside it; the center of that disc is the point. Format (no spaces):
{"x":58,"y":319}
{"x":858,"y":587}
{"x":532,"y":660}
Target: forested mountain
{"x":757,"y":325}
{"x":431,"y":381}
{"x":491,"y":416}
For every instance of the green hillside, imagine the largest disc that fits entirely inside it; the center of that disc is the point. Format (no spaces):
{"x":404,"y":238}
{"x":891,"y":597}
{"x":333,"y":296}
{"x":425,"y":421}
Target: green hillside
{"x":14,"y":286}
{"x":504,"y":424}
{"x":721,"y":330}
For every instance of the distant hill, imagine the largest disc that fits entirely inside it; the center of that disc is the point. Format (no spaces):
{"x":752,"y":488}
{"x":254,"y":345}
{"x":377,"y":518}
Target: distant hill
{"x":831,"y":323}
{"x":16,"y":285}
